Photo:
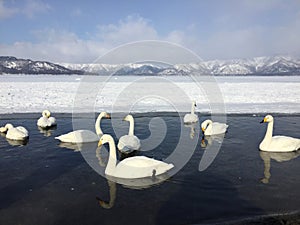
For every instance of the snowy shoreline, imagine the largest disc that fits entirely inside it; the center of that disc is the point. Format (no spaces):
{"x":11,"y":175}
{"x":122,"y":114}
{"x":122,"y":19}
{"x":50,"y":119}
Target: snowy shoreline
{"x":241,"y":94}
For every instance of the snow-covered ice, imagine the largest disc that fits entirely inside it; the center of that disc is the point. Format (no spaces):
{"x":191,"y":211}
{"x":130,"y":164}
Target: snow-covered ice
{"x":241,"y":94}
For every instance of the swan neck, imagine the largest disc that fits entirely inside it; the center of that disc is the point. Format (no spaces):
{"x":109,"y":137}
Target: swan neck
{"x":269,"y":132}
{"x":97,"y":125}
{"x":131,"y":127}
{"x":193,"y":109}
{"x":112,"y":160}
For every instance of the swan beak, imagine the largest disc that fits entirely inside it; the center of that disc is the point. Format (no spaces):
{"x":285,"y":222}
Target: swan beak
{"x":203,"y":129}
{"x":100,"y":143}
{"x":108,"y":116}
{"x":263,"y":121}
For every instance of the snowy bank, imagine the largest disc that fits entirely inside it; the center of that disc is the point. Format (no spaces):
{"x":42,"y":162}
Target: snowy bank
{"x":253,"y":94}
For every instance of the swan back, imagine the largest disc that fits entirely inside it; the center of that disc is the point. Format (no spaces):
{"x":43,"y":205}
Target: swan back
{"x":16,"y":133}
{"x":212,"y":128}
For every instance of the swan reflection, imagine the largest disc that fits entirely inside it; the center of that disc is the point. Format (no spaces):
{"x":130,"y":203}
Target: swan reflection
{"x":47,"y":132}
{"x":212,"y":145}
{"x":112,"y":196}
{"x":193,"y":130}
{"x":277,"y":156}
{"x":76,"y":147}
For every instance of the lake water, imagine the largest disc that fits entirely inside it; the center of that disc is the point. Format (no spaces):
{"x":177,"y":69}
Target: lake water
{"x":44,"y":182}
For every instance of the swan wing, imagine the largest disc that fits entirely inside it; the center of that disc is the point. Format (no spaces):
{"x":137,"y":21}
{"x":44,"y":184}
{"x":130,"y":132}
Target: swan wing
{"x":284,"y":144}
{"x":46,"y":122}
{"x":78,"y":136}
{"x":219,"y":128}
{"x":141,"y":166}
{"x":17,"y":133}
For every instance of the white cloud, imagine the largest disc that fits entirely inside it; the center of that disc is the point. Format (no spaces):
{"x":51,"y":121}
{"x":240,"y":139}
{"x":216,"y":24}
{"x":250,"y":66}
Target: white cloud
{"x":64,"y":46}
{"x":133,"y":28}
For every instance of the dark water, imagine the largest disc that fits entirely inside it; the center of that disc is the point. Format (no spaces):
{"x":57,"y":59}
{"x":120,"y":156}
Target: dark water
{"x":44,"y":183}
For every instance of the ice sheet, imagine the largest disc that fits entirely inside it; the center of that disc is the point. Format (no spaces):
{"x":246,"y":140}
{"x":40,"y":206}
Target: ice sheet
{"x":242,"y":94}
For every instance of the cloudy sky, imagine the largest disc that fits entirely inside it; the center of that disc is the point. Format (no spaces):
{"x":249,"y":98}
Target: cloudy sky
{"x":80,"y":31}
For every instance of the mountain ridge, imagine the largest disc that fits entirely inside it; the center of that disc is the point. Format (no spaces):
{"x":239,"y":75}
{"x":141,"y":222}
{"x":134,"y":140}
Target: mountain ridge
{"x":277,"y":65}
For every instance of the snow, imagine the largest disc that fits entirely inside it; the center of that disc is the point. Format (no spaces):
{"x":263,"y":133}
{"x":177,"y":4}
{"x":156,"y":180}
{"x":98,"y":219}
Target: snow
{"x":241,"y":94}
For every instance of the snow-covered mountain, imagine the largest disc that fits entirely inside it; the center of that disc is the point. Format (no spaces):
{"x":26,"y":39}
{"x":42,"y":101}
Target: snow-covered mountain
{"x":12,"y":65}
{"x":279,"y":65}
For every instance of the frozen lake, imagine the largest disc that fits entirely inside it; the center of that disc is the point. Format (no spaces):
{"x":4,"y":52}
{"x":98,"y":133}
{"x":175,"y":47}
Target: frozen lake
{"x":45,"y":182}
{"x":243,"y":94}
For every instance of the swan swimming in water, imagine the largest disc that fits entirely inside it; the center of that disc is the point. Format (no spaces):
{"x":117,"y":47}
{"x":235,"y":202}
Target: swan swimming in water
{"x":191,"y":117}
{"x":272,"y":143}
{"x":129,"y":143}
{"x":132,"y":167}
{"x":15,"y":133}
{"x":46,"y":120}
{"x":212,"y":128}
{"x":83,"y":136}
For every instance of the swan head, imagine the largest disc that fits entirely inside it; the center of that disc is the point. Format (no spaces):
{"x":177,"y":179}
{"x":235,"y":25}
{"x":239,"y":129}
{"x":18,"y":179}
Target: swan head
{"x":105,"y":138}
{"x":8,"y":126}
{"x":205,"y":124}
{"x":107,"y":115}
{"x":194,"y":103}
{"x":46,"y":113}
{"x":128,"y":118}
{"x":267,"y":119}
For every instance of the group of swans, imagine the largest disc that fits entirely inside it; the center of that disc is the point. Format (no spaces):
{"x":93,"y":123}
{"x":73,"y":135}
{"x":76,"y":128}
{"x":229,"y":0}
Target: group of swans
{"x":270,"y":143}
{"x":20,"y":133}
{"x":208,"y":126}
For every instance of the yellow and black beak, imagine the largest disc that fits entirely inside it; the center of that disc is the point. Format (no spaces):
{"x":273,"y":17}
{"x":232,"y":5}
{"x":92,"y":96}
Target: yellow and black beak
{"x":264,"y":120}
{"x":203,"y":129}
{"x":100,"y":143}
{"x":108,"y":116}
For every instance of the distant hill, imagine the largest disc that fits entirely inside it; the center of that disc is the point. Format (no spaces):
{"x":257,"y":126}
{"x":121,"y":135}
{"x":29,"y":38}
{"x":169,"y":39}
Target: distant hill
{"x":12,"y":65}
{"x":278,"y":65}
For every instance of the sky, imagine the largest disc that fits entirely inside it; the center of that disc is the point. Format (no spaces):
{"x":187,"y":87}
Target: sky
{"x":81,"y":31}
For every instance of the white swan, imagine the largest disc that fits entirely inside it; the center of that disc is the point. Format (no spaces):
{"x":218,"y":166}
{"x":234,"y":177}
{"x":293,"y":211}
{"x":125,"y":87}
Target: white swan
{"x":211,"y":128}
{"x":83,"y":136}
{"x":46,"y":120}
{"x":191,"y":117}
{"x":272,"y":143}
{"x":129,"y":143}
{"x":15,"y":133}
{"x":132,"y":167}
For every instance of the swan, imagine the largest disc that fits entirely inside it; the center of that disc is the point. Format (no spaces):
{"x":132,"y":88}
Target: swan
{"x":277,"y":143}
{"x":191,"y":117}
{"x":211,"y":128}
{"x":46,"y":121}
{"x":83,"y":136}
{"x":132,"y":167}
{"x":129,"y":143}
{"x":15,"y":133}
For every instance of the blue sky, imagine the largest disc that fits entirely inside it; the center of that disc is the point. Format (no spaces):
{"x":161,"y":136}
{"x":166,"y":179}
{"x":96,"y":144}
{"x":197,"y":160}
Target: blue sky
{"x":80,"y":31}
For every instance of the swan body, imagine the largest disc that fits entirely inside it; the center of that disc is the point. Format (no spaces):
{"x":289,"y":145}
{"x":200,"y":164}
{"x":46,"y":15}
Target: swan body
{"x":15,"y":133}
{"x":212,"y":128}
{"x":129,"y":143}
{"x":133,"y":167}
{"x":191,"y":117}
{"x":46,"y":120}
{"x":272,"y":143}
{"x":83,"y":136}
